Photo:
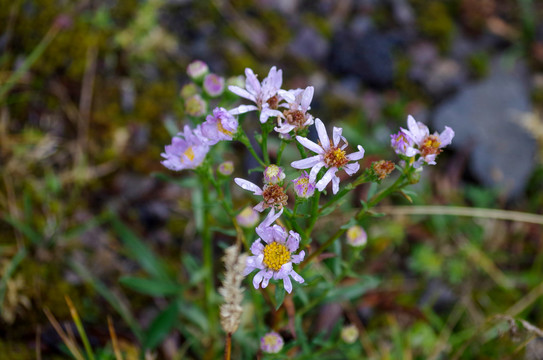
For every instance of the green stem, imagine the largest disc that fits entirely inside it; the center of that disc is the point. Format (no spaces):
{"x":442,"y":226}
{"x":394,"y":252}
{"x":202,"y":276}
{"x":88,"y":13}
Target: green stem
{"x":207,"y":249}
{"x":245,"y":141}
{"x":264,"y":144}
{"x":281,"y":149}
{"x":301,"y":150}
{"x":364,"y":212}
{"x":314,"y":215}
{"x":360,"y":180}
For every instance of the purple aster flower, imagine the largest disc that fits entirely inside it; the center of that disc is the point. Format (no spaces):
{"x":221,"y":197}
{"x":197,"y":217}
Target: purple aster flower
{"x":196,"y":105}
{"x":187,"y":151}
{"x":219,"y":126}
{"x":402,"y":145}
{"x":273,"y":174}
{"x":197,"y":69}
{"x":303,"y":187}
{"x":271,"y":343}
{"x":296,"y":116}
{"x":214,"y":85}
{"x":273,"y":194}
{"x":428,"y":146}
{"x":275,"y":257}
{"x":330,"y":155}
{"x":264,"y":94}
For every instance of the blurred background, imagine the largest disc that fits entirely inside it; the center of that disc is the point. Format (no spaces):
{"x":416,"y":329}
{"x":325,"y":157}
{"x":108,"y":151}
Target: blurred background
{"x":88,"y":87}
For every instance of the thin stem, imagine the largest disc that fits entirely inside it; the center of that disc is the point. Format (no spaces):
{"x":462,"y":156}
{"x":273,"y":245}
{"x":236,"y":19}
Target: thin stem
{"x":228,"y":347}
{"x":245,"y":141}
{"x":207,"y":249}
{"x":264,"y":144}
{"x":282,"y":146}
{"x":360,"y":180}
{"x":301,"y":150}
{"x":314,"y":215}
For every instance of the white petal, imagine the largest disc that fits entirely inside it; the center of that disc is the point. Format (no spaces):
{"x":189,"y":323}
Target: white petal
{"x":321,"y":184}
{"x":323,"y":136}
{"x":297,"y":277}
{"x":356,"y":155}
{"x":446,"y":136}
{"x":242,"y":109}
{"x":272,"y":216}
{"x":287,"y":95}
{"x":242,"y":92}
{"x":247,"y":185}
{"x":285,"y":128}
{"x":306,"y":163}
{"x":310,"y":144}
{"x":288,"y":284}
{"x":336,"y":135}
{"x":296,"y":259}
{"x":351,"y":168}
{"x":258,"y":278}
{"x":413,"y":128}
{"x":251,"y":83}
{"x":307,"y":97}
{"x":315,"y":171}
{"x":260,"y":206}
{"x":335,"y":184}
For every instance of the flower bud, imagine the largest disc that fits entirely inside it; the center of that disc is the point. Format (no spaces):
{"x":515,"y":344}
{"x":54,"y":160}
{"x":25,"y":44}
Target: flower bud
{"x":248,"y":217}
{"x":273,"y":174}
{"x":196,"y":106}
{"x":356,"y":236}
{"x":197,"y":69}
{"x":226,"y":168}
{"x":349,"y":334}
{"x":271,"y":343}
{"x":214,"y":85}
{"x":189,"y":90}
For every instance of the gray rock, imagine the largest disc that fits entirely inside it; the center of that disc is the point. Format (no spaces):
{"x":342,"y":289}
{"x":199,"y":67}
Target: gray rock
{"x":484,"y":117}
{"x":534,"y":349}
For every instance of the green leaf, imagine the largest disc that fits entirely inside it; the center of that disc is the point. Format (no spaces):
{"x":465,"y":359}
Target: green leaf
{"x":161,"y":326}
{"x":139,"y":250}
{"x":196,"y":316}
{"x":279,"y":296}
{"x":150,"y":287}
{"x":26,"y":229}
{"x":12,"y":266}
{"x":372,"y":190}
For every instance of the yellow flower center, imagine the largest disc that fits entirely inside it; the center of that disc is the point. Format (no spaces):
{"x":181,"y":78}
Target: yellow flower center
{"x":222,"y":129}
{"x":430,"y":145}
{"x":276,"y":255}
{"x":189,"y":153}
{"x":335,"y":157}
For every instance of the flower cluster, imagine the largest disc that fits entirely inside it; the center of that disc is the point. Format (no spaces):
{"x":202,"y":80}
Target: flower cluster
{"x":418,"y":144}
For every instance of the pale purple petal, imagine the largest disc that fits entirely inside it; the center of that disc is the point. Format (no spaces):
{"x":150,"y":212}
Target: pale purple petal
{"x":351,"y":168}
{"x":310,"y":144}
{"x":306,"y":163}
{"x":261,"y":206}
{"x":335,"y":184}
{"x":284,"y":128}
{"x":307,"y":97}
{"x":258,"y":278}
{"x":296,"y":259}
{"x":315,"y":171}
{"x":323,"y":136}
{"x":287,"y":95}
{"x":257,"y":248}
{"x":283,"y":271}
{"x":288,"y":284}
{"x":242,"y":92}
{"x":336,"y":135}
{"x":251,"y":83}
{"x":293,"y":241}
{"x":242,"y":109}
{"x":321,"y":184}
{"x":247,"y":185}
{"x":297,"y":277}
{"x":414,"y":129}
{"x":266,"y":279}
{"x":446,"y":137}
{"x":356,"y":155}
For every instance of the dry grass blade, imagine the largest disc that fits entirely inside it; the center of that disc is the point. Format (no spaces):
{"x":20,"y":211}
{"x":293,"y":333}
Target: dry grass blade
{"x":463,"y":211}
{"x":70,"y":343}
{"x":114,"y":341}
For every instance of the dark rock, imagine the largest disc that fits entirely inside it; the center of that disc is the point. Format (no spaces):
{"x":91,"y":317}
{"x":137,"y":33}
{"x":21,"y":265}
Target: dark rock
{"x":309,"y":45}
{"x":366,"y":54}
{"x":485,"y":117}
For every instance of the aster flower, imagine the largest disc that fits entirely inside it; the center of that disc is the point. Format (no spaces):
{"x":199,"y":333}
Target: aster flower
{"x":303,"y":187}
{"x":264,"y":94}
{"x":187,"y":151}
{"x":273,"y":174}
{"x":356,"y":236}
{"x":275,"y":257}
{"x":330,"y":155}
{"x":428,"y":146}
{"x":226,"y":168}
{"x":402,"y":144}
{"x":196,"y":105}
{"x":219,"y":126}
{"x":296,"y":116}
{"x":273,"y":194}
{"x":271,"y":343}
{"x":214,"y":85}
